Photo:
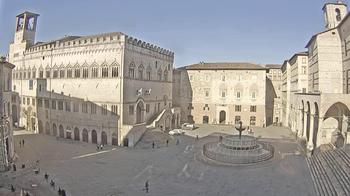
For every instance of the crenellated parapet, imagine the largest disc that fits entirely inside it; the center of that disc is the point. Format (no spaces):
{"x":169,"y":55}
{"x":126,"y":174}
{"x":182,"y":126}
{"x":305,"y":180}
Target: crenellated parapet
{"x":69,"y":42}
{"x":142,"y":44}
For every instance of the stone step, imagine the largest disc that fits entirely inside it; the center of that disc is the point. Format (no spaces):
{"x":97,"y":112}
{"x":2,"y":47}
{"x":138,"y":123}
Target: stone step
{"x":342,"y":179}
{"x":325,"y":187}
{"x":316,"y":179}
{"x":328,"y":185}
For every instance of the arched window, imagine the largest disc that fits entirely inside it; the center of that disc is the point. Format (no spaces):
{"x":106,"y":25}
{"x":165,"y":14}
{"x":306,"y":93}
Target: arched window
{"x":94,"y":70}
{"x":69,"y":71}
{"x":132,"y":70}
{"x":85,"y":70}
{"x":48,"y":72}
{"x":105,"y":72}
{"x":337,"y":14}
{"x":77,"y":72}
{"x":115,"y":71}
{"x":165,"y":75}
{"x":148,"y":73}
{"x":55,"y":73}
{"x":41,"y":73}
{"x":140,"y":72}
{"x":159,"y":74}
{"x":33,"y":72}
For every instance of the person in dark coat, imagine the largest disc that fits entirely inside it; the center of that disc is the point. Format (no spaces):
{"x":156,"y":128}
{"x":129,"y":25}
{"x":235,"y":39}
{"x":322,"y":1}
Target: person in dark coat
{"x":147,"y":186}
{"x":153,"y":144}
{"x":12,"y":188}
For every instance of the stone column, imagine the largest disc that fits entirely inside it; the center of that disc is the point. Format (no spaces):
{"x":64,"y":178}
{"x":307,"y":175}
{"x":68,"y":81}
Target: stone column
{"x":300,"y":125}
{"x":305,"y":125}
{"x":310,"y":145}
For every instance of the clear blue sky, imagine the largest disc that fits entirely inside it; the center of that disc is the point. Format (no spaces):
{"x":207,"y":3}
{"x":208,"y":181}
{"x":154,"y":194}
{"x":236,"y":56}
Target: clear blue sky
{"x":261,"y":31}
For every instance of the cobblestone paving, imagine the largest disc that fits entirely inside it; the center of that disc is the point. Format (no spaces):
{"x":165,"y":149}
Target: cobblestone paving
{"x":173,"y":170}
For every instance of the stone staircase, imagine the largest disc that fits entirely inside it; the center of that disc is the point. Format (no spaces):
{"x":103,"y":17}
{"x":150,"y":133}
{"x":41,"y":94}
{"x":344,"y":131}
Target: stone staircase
{"x":330,"y":171}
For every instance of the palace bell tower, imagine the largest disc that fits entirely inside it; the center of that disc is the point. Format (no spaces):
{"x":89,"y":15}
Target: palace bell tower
{"x":334,"y":13}
{"x":24,"y":34}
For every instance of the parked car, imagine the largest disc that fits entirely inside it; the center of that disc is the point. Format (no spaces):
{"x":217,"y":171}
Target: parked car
{"x":176,"y":132}
{"x":187,"y":126}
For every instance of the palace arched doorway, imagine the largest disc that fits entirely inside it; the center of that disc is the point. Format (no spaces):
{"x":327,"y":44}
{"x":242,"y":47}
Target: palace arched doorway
{"x":85,"y":135}
{"x":61,"y":131}
{"x":139,"y":112}
{"x":222,"y":117}
{"x":54,"y":129}
{"x":76,"y":134}
{"x":94,"y":137}
{"x":205,"y":119}
{"x":103,"y":138}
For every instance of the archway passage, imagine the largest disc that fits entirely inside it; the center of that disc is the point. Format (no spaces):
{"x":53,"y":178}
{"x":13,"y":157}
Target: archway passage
{"x":68,"y":133}
{"x":54,"y":129}
{"x":139,"y":113}
{"x":114,"y":139}
{"x":339,"y":111}
{"x":308,"y":116}
{"x":103,"y":138}
{"x":315,"y":131}
{"x":85,"y":135}
{"x":93,"y":137}
{"x":40,"y":124}
{"x":47,"y":128}
{"x":222,"y":118}
{"x":61,"y":131}
{"x":205,"y":119}
{"x":76,"y":134}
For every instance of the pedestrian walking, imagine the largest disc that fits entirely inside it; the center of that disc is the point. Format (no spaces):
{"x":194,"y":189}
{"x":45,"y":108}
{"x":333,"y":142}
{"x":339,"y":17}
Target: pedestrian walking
{"x":98,"y":147}
{"x":12,"y":188}
{"x":197,"y":137}
{"x":167,"y":143}
{"x":147,"y":186}
{"x":14,"y":167}
{"x":20,"y":144}
{"x":59,"y":191}
{"x":153,"y":144}
{"x":23,"y":166}
{"x":52,"y":183}
{"x":46,"y":176}
{"x":177,"y":141}
{"x":23,"y":143}
{"x":101,"y":147}
{"x":63,"y":192}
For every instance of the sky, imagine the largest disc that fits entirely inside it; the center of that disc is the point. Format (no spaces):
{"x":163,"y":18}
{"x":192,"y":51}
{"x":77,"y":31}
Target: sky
{"x":258,"y":31}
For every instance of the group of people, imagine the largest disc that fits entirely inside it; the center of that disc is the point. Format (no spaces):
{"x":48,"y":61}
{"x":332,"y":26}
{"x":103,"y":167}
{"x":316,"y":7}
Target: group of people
{"x":21,"y":143}
{"x":60,"y":191}
{"x":99,"y":147}
{"x":167,"y":143}
{"x":24,"y":193}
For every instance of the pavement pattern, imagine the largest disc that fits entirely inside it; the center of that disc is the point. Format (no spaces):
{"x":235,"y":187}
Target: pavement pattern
{"x":170,"y":170}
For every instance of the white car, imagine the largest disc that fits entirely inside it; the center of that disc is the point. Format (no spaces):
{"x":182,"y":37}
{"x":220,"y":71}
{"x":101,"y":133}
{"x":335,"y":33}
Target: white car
{"x":176,"y":132}
{"x":188,"y":126}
